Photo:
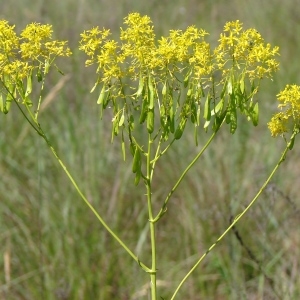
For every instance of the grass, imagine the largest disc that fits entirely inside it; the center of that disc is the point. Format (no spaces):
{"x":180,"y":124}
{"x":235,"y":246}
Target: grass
{"x":53,"y":248}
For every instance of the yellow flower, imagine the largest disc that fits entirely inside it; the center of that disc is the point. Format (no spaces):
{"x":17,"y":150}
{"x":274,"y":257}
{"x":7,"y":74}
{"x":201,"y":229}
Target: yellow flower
{"x":37,"y":44}
{"x":289,"y":100}
{"x":278,"y":124}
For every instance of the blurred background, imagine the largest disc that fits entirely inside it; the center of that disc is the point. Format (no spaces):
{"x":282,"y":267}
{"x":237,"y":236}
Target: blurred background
{"x":52,"y":247}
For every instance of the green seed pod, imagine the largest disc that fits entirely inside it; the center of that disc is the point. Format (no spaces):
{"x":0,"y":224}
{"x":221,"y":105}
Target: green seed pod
{"x":102,"y":95}
{"x":150,"y":121}
{"x":207,"y":112}
{"x":136,"y":164}
{"x":1,"y":103}
{"x":180,"y":129}
{"x":164,"y":90}
{"x":29,"y":85}
{"x":132,"y":149}
{"x":151,"y":93}
{"x":144,"y":111}
{"x":141,"y":86}
{"x":172,"y":120}
{"x":137,"y":177}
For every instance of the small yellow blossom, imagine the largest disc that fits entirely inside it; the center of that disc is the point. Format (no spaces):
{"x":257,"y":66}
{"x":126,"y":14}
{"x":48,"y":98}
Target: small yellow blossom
{"x":32,"y":52}
{"x":289,"y":100}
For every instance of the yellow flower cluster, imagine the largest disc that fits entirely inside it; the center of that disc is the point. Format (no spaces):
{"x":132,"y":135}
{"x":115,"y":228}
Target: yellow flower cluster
{"x":21,"y":56}
{"x":155,"y":71}
{"x":246,"y":50}
{"x":140,"y":52}
{"x":289,"y":118}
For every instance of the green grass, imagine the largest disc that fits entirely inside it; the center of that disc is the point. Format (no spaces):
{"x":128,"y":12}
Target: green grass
{"x":52,"y":247}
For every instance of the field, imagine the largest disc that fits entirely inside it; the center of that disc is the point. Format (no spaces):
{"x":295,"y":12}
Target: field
{"x":52,"y":246}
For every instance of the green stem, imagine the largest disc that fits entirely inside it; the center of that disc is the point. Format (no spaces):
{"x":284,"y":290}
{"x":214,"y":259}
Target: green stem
{"x":164,"y":207}
{"x":151,"y":223}
{"x":40,"y":131}
{"x":88,"y":203}
{"x":238,"y":217}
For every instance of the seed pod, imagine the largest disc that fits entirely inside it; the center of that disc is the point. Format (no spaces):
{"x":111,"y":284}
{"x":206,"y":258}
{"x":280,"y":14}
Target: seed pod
{"x":29,"y":85}
{"x":102,"y":95}
{"x":137,"y":177}
{"x":164,"y":89}
{"x":136,"y":164}
{"x":144,"y":111}
{"x":123,"y":147}
{"x":150,"y":121}
{"x":141,"y":86}
{"x":207,"y":112}
{"x":172,"y":120}
{"x":2,"y":103}
{"x":255,"y":114}
{"x":151,"y":93}
{"x":180,"y":129}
